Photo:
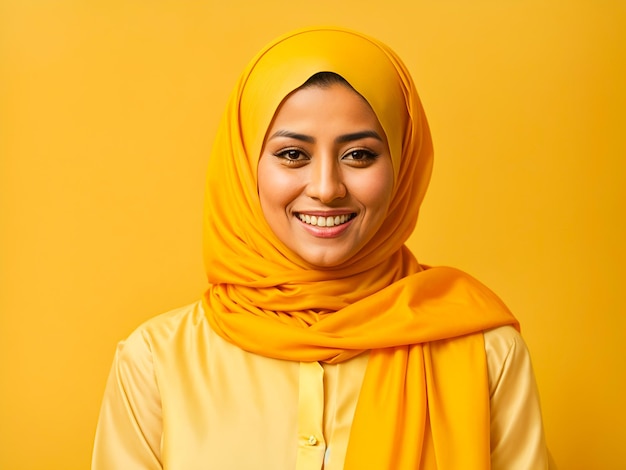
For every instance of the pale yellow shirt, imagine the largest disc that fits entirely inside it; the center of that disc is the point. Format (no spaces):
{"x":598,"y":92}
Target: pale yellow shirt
{"x":179,"y":397}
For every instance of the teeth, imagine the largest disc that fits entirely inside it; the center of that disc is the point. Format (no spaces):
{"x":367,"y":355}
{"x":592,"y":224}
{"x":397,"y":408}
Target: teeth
{"x":325,"y":221}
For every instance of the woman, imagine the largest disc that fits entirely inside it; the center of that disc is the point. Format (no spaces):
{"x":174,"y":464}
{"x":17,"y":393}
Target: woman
{"x":321,"y":342}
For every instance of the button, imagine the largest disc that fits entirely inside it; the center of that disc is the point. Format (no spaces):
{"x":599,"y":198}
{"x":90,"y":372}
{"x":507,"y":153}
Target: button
{"x":311,"y":441}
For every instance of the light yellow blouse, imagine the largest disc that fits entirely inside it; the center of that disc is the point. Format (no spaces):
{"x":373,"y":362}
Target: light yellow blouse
{"x":179,"y":397}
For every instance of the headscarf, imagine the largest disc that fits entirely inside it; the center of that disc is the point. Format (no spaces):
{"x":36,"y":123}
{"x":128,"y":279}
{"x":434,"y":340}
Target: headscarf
{"x":424,"y":401}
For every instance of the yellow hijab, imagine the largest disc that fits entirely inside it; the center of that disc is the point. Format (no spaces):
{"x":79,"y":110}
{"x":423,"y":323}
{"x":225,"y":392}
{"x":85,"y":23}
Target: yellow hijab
{"x":424,"y":402}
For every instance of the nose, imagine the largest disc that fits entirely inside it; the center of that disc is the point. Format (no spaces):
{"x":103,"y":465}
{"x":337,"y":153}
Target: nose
{"x":325,"y":180}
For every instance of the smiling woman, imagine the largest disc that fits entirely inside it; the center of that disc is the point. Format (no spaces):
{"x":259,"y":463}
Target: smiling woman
{"x":321,"y":342}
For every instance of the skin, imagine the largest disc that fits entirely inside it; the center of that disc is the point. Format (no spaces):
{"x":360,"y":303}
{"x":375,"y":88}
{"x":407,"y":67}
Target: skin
{"x":325,"y":155}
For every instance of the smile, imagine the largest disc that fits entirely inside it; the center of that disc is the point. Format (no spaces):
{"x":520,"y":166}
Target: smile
{"x":321,"y":221}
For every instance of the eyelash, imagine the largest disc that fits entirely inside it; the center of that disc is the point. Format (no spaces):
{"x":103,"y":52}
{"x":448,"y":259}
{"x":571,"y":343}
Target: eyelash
{"x":297,"y":162}
{"x":365,"y":157}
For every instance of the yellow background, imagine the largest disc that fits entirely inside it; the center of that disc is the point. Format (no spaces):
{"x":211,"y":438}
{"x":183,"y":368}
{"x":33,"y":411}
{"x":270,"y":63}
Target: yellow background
{"x":108,"y":110}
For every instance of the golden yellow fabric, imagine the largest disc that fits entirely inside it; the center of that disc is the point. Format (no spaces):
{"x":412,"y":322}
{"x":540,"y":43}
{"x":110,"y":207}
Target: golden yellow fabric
{"x":266,"y":300}
{"x":180,"y":397}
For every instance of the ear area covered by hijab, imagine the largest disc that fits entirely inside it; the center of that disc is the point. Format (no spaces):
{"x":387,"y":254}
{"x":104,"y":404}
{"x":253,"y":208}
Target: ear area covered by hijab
{"x":266,"y":300}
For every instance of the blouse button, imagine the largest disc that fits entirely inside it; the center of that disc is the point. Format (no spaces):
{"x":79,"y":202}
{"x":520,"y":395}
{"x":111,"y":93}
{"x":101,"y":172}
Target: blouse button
{"x":312,"y":441}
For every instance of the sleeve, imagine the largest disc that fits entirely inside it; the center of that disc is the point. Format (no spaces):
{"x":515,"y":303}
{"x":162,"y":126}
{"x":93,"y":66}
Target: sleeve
{"x":517,"y":437}
{"x":129,"y":429}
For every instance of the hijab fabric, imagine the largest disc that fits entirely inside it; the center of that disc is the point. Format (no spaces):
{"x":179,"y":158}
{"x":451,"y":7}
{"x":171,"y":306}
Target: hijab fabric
{"x":424,"y":402}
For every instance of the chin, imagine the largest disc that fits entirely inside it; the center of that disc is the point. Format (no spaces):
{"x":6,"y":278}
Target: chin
{"x":325,"y":260}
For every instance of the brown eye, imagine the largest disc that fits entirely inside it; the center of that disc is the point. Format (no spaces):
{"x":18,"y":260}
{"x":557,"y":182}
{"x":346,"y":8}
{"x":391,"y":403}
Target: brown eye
{"x":292,"y":154}
{"x":360,"y":155}
{"x":294,"y":158}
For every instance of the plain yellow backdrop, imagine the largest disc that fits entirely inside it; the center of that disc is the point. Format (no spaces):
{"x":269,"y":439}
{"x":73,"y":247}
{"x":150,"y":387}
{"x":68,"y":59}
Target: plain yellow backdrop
{"x":108,"y":110}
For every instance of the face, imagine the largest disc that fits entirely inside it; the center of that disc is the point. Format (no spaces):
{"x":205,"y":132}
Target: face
{"x":325,"y":175}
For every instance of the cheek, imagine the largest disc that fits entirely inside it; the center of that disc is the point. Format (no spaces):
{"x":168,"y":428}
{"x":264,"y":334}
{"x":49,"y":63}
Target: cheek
{"x":375,"y":191}
{"x":276,"y":188}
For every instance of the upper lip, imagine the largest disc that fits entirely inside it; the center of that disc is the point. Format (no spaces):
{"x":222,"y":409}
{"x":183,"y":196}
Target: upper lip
{"x":331,"y":213}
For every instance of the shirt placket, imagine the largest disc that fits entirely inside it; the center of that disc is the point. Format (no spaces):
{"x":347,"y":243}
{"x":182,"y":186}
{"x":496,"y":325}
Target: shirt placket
{"x":311,"y":442}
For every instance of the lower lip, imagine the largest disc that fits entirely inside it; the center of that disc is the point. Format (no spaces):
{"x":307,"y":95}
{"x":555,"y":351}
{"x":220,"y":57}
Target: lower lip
{"x":326,"y":232}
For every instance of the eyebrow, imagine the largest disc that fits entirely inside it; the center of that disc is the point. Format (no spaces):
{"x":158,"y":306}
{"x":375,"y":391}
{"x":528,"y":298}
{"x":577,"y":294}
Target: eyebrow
{"x":340,"y":140}
{"x":357,"y":136}
{"x":293,"y":135}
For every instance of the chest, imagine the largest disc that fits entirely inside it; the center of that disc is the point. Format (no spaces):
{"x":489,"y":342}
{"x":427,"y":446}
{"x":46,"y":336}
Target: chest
{"x":224,"y":408}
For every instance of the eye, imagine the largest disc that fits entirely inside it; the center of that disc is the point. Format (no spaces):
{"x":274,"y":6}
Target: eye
{"x":290,"y":154}
{"x":360,"y":157}
{"x":292,"y":157}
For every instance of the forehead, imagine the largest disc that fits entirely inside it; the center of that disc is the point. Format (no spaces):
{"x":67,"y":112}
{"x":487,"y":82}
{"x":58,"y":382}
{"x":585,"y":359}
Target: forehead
{"x":331,"y":108}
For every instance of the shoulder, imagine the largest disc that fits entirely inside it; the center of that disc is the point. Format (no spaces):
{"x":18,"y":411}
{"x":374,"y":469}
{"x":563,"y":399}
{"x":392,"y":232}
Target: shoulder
{"x":502,"y":339}
{"x":159,"y":329}
{"x":507,"y":355}
{"x":170,"y":322}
